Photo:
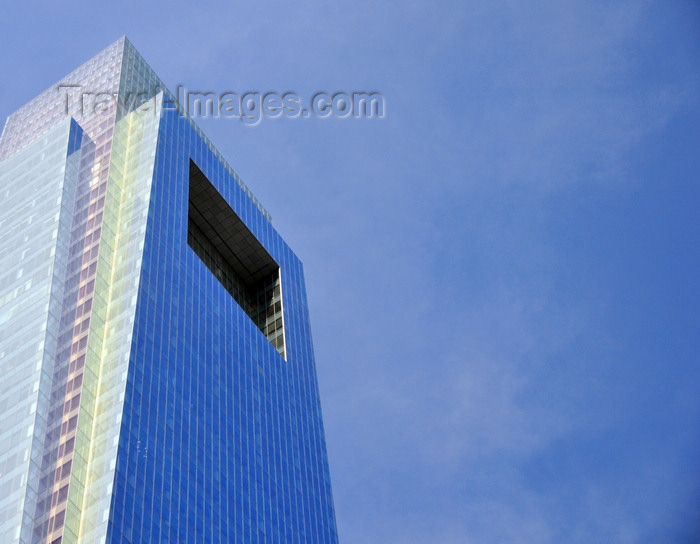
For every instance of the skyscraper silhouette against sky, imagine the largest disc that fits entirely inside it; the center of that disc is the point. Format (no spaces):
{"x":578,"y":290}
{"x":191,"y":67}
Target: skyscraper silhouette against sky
{"x":158,"y":378}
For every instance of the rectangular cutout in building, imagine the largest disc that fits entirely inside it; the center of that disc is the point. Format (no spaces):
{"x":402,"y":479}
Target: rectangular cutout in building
{"x":235,"y":256}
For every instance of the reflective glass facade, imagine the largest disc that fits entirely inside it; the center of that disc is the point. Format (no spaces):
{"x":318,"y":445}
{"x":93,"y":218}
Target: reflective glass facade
{"x":159,"y":373}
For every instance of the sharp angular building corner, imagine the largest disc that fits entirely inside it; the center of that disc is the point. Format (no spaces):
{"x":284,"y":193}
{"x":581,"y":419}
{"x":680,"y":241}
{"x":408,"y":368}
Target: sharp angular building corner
{"x":158,"y":376}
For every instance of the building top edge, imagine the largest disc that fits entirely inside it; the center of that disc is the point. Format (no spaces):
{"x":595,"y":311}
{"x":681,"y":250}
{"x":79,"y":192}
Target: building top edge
{"x":117,"y":70}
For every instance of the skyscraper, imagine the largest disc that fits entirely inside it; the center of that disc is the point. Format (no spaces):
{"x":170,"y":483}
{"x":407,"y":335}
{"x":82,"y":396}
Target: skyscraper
{"x":158,"y":377}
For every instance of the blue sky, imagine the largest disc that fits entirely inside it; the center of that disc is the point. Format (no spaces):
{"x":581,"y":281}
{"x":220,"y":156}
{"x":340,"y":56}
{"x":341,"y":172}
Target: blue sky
{"x":502,"y":272}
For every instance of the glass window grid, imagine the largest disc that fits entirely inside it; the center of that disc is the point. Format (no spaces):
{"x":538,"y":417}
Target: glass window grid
{"x":249,"y":463}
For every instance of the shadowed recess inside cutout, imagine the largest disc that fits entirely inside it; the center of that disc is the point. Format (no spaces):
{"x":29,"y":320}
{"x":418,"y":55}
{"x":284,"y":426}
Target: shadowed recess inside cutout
{"x":235,"y":256}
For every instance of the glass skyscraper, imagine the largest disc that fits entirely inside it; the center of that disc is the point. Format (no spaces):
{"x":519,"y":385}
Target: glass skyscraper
{"x":158,"y":378}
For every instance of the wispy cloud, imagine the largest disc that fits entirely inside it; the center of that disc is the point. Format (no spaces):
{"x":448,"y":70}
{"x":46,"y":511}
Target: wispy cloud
{"x":494,"y":269}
